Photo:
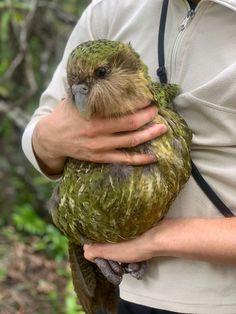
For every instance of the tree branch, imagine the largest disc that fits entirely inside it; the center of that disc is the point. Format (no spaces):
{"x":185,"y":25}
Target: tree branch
{"x":16,"y":115}
{"x":60,"y":14}
{"x":22,"y":43}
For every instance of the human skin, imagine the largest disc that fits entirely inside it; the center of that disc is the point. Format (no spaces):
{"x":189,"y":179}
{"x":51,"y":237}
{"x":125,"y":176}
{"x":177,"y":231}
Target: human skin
{"x":64,"y":133}
{"x":210,"y":239}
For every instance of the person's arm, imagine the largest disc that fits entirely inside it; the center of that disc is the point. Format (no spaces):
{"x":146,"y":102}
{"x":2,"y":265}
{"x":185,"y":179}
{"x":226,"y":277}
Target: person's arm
{"x":210,"y":239}
{"x":64,"y":133}
{"x":56,"y":131}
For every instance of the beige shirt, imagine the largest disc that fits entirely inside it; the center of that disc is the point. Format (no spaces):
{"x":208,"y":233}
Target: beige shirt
{"x":201,"y":58}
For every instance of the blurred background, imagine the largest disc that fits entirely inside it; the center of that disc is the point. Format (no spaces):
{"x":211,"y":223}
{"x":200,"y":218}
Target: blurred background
{"x":34,"y":273}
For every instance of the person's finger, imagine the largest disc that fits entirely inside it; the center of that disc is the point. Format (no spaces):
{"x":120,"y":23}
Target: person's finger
{"x":121,"y":157}
{"x":130,"y":122}
{"x":130,"y":139}
{"x":136,"y":138}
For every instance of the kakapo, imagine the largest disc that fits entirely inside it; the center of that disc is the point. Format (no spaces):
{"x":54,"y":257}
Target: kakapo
{"x":114,"y":202}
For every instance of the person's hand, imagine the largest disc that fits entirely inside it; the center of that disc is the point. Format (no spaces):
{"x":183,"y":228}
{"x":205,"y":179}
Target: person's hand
{"x":64,"y":133}
{"x":139,"y":249}
{"x":188,"y":238}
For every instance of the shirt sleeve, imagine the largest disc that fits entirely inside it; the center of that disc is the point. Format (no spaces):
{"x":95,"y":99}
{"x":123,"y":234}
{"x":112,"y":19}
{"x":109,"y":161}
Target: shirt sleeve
{"x":83,"y":31}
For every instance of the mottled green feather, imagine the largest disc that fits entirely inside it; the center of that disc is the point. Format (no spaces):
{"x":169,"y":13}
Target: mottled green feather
{"x":114,"y":202}
{"x":110,"y":203}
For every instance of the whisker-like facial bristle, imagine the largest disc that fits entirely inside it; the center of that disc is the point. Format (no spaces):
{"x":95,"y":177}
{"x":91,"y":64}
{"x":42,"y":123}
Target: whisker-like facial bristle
{"x":116,"y":78}
{"x":119,"y":94}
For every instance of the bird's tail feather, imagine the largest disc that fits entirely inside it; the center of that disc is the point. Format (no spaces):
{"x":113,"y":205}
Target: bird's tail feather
{"x":92,"y":288}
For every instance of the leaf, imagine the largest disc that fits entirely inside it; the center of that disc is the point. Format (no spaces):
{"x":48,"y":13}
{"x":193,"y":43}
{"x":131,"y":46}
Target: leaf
{"x":5,"y":20}
{"x":4,"y":92}
{"x":18,"y":17}
{"x":3,"y":274}
{"x":25,"y":219}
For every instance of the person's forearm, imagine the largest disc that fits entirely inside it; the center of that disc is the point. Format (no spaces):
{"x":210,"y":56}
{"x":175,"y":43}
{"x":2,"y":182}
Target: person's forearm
{"x":48,"y":164}
{"x":64,"y":133}
{"x":212,"y":240}
{"x":203,"y":239}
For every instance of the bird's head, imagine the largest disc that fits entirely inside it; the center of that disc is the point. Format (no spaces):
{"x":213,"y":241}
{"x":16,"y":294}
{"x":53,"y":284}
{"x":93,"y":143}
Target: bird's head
{"x":107,"y":78}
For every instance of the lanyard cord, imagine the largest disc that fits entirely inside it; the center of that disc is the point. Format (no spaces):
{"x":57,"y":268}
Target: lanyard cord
{"x":161,"y":71}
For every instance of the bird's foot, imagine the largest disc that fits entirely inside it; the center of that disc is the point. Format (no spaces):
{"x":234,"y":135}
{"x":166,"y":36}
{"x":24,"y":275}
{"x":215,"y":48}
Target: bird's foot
{"x":113,"y":271}
{"x":136,"y":270}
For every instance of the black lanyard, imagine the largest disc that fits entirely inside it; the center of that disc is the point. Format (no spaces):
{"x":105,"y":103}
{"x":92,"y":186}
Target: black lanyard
{"x":162,"y":74}
{"x":161,"y":71}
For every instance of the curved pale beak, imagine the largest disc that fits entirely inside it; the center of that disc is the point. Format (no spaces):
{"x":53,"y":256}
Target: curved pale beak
{"x":80,"y":93}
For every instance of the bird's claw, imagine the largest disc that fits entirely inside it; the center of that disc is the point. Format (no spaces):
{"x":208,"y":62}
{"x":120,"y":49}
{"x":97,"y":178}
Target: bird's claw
{"x":114,"y":271}
{"x":136,"y":270}
{"x":111,"y":270}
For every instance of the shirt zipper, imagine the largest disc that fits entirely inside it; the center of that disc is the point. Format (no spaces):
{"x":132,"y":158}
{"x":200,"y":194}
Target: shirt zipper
{"x":187,"y":20}
{"x":182,"y":27}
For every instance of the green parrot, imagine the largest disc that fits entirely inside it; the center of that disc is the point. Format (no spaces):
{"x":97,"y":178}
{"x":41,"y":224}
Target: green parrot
{"x":113,"y":202}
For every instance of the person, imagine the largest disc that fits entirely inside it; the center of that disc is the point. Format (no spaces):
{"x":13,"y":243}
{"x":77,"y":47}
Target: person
{"x":192,"y":252}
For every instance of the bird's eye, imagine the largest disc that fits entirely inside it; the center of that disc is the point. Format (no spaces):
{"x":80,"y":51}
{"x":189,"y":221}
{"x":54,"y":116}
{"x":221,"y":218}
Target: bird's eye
{"x":101,"y":72}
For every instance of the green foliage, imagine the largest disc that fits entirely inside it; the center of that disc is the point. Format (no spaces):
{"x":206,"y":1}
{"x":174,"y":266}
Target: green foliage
{"x":3,"y":274}
{"x":50,"y":239}
{"x":71,"y":305}
{"x":26,"y":220}
{"x":32,"y":40}
{"x":53,"y":242}
{"x":3,"y":271}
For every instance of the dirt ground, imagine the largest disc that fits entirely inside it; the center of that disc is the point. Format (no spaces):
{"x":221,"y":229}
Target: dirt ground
{"x":30,"y":283}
